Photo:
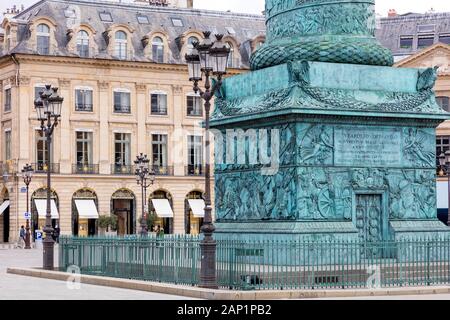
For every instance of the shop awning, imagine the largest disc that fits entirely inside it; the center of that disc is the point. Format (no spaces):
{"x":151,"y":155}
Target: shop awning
{"x":86,"y":209}
{"x":4,"y":206}
{"x":198,"y":207}
{"x":41,"y":206}
{"x":162,"y":208}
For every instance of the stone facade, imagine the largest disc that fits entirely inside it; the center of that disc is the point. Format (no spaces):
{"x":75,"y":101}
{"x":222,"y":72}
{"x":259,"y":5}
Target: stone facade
{"x":23,"y":69}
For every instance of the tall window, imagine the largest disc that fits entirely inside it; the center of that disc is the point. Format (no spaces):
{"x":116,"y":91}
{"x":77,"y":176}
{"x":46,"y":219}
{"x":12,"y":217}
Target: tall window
{"x":159,"y":151}
{"x":41,"y":151}
{"x":158,"y":50}
{"x":122,"y":152}
{"x":43,"y":39}
{"x":230,"y":63}
{"x":83,"y":44}
{"x":121,"y":45}
{"x":195,"y":155}
{"x":122,"y":102}
{"x":84,"y":148}
{"x":83,"y":100}
{"x":8,"y":155}
{"x":7,"y":106}
{"x":442,"y":146}
{"x":37,"y":91}
{"x":194,"y":106}
{"x":159,"y":103}
{"x":444,"y":103}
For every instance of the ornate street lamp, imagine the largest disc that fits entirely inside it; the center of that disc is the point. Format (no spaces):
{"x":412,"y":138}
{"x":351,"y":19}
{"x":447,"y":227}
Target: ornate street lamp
{"x":213,"y":58}
{"x":444,"y":162}
{"x":144,"y":178}
{"x":27,"y":175}
{"x":48,"y":108}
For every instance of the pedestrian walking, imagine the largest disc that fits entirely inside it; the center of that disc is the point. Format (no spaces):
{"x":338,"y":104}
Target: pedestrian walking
{"x":22,"y":235}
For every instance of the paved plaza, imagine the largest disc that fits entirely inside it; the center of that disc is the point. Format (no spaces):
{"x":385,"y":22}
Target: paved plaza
{"x":13,"y":287}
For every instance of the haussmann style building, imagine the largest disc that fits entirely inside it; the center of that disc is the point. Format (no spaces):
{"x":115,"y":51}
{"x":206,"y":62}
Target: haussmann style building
{"x":120,"y":68}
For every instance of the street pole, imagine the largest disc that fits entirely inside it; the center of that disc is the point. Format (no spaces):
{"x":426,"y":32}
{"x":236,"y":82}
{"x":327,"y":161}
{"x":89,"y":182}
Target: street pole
{"x":27,"y":173}
{"x":48,"y":229}
{"x":208,"y":58}
{"x":143,"y":174}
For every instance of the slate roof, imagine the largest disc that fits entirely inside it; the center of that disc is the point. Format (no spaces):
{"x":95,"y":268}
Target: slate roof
{"x":246,"y":26}
{"x":391,"y":29}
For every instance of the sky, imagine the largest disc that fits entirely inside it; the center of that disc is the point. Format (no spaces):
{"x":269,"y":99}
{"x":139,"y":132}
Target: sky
{"x":257,"y":6}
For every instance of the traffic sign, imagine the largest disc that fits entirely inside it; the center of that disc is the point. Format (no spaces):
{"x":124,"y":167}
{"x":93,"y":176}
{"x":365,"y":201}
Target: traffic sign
{"x":27,"y":215}
{"x":23,"y":190}
{"x":38,"y":236}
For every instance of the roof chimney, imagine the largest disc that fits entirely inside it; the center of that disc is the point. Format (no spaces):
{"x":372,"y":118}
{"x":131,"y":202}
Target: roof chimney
{"x":392,"y":13}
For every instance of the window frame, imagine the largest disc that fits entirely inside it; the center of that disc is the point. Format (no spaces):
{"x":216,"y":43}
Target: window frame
{"x":425,"y":37}
{"x":8,"y":142}
{"x":177,"y":19}
{"x":102,"y":14}
{"x":43,"y":36}
{"x":120,"y":108}
{"x":7,"y":100}
{"x":447,"y":101}
{"x":86,"y":142}
{"x":158,"y":50}
{"x":406,"y":38}
{"x":158,"y":111}
{"x":82,"y":44}
{"x":445,"y":35}
{"x":194,"y":97}
{"x":121,"y":45}
{"x":123,"y":141}
{"x":40,"y":138}
{"x":160,"y":142}
{"x":85,"y":107}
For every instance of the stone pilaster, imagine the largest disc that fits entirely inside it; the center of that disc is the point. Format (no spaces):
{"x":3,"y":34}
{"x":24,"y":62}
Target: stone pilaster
{"x":104,"y":104}
{"x":64,"y":145}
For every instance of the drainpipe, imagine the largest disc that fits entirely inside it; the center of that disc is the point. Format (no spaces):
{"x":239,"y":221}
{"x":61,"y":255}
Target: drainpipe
{"x":15,"y":176}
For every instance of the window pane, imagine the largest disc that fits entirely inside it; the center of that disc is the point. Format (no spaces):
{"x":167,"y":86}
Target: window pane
{"x":445,"y":38}
{"x":406,"y":42}
{"x":425,"y":41}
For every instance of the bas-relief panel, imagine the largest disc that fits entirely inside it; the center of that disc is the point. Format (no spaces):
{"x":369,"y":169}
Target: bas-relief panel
{"x":308,"y":187}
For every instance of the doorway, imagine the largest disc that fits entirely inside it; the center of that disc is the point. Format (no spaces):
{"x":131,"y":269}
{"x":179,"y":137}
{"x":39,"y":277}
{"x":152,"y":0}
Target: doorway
{"x":369,"y":222}
{"x":123,"y":207}
{"x":6,"y":225}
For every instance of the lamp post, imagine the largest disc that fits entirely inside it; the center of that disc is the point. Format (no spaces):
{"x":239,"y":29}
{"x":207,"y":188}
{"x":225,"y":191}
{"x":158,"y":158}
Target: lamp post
{"x":444,"y":161}
{"x":144,"y":178}
{"x":208,"y":58}
{"x":27,"y":175}
{"x":48,"y":108}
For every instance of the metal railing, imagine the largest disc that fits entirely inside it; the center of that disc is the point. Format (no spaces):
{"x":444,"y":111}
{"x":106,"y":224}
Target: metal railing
{"x":125,"y":170}
{"x":122,"y":109}
{"x":195,"y":170}
{"x":264,"y":265}
{"x":163,"y":170}
{"x":85,"y":168}
{"x":42,"y":167}
{"x":84,"y":107}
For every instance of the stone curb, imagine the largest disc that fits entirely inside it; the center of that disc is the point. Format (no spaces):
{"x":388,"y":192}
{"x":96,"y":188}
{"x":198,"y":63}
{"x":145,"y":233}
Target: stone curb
{"x":198,"y":293}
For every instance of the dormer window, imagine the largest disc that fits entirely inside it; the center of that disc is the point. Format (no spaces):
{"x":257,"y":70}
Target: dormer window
{"x":158,"y":50}
{"x":143,"y":19}
{"x":121,"y":48}
{"x":43,"y":39}
{"x":83,"y":44}
{"x":230,"y":63}
{"x":177,"y":22}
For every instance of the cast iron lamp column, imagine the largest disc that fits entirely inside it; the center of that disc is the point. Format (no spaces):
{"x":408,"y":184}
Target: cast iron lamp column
{"x":444,"y":161}
{"x":208,"y":58}
{"x":27,"y":175}
{"x":48,"y":108}
{"x":144,"y":178}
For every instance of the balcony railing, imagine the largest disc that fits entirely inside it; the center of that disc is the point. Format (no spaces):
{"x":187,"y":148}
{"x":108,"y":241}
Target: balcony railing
{"x":83,"y":107}
{"x":122,"y":109}
{"x":163,"y":170}
{"x":120,"y":169}
{"x":85,"y":168}
{"x":159,"y":112}
{"x":195,"y":170}
{"x":42,"y":167}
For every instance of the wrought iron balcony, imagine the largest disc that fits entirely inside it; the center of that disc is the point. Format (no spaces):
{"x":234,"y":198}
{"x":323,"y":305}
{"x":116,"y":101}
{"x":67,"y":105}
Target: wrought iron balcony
{"x":85,"y":168}
{"x":122,"y":109}
{"x":195,"y":170}
{"x":42,"y":167}
{"x":84,"y":107}
{"x":159,"y":111}
{"x":121,"y":169}
{"x":163,"y":170}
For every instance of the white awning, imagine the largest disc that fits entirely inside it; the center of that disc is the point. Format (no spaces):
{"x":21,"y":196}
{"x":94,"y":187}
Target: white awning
{"x":198,"y":207}
{"x":86,"y":209}
{"x":162,"y":208}
{"x":442,"y":195}
{"x":4,"y":206}
{"x":41,"y":206}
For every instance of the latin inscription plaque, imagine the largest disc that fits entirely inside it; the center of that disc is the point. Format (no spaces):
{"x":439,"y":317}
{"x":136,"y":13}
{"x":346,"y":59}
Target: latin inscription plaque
{"x":367,"y":147}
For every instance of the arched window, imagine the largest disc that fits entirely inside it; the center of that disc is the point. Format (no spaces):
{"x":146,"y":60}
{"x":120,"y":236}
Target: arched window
{"x":83,"y":44}
{"x":443,"y":102}
{"x":230,"y":63}
{"x":191,"y":42}
{"x":121,"y":45}
{"x":158,"y":50}
{"x":43,"y":39}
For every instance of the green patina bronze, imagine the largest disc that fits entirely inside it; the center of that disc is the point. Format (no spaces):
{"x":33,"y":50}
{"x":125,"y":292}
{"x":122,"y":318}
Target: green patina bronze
{"x":355,"y":138}
{"x":340,"y":31}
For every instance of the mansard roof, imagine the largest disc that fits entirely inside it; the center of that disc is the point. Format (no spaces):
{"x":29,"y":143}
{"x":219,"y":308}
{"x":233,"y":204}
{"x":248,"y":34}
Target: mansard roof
{"x":241,"y":27}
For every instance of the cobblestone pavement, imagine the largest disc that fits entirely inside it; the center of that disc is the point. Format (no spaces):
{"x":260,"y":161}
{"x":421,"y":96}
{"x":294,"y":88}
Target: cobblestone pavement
{"x":13,"y":287}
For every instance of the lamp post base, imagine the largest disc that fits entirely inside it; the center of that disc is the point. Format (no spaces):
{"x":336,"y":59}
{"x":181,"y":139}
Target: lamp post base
{"x":48,"y":258}
{"x":208,"y":276}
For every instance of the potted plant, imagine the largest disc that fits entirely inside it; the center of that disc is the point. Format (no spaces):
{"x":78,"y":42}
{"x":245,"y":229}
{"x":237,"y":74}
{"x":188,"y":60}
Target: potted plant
{"x":151,"y":218}
{"x":113,"y":224}
{"x":103,"y":225}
